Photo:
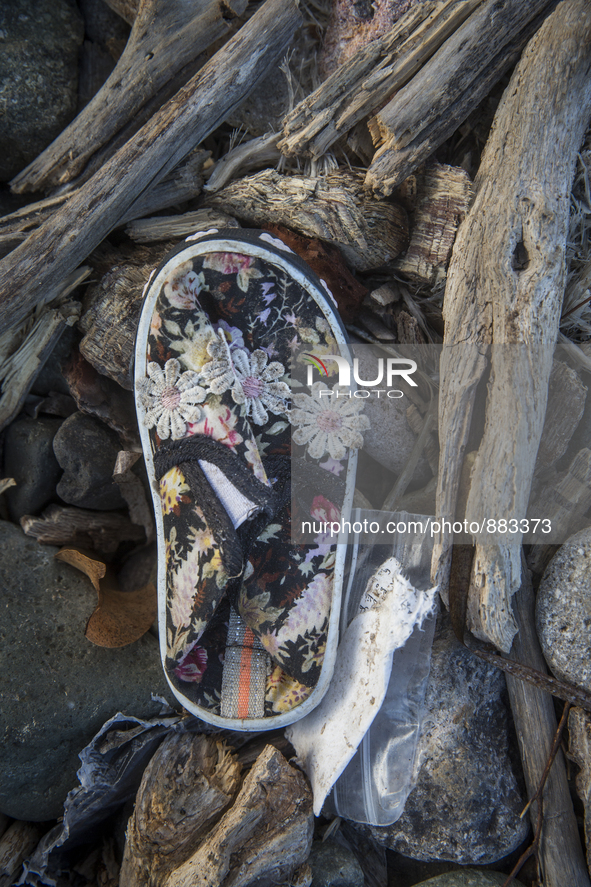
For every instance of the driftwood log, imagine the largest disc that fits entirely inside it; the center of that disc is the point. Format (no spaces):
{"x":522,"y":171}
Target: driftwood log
{"x":184,"y":833}
{"x":561,"y":856}
{"x":186,"y":787}
{"x":438,"y":62}
{"x":267,"y":833}
{"x":442,"y":201}
{"x":504,"y":286}
{"x":24,"y":350}
{"x":371,"y":233}
{"x":183,"y":183}
{"x":259,"y":152}
{"x":102,"y":531}
{"x":16,"y":844}
{"x":165,"y":37}
{"x":579,"y":749}
{"x":566,"y":402}
{"x":439,"y":98}
{"x":365,"y":81}
{"x":30,"y":273}
{"x":176,"y":227}
{"x":110,"y":323}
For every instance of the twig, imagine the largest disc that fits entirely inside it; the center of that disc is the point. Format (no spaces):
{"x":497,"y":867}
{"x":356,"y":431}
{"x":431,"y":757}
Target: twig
{"x":576,"y":308}
{"x":561,"y":689}
{"x":533,"y":849}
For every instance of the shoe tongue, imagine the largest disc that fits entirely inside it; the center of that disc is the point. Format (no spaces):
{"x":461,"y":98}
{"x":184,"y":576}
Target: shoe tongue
{"x":238,"y":506}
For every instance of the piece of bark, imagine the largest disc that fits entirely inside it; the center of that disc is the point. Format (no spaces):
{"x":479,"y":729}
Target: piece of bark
{"x":127,"y":9}
{"x":4,"y":820}
{"x":99,"y":396}
{"x":566,"y":402}
{"x":164,"y":37}
{"x":176,"y":227}
{"x":375,"y":325}
{"x":55,"y":404}
{"x":385,"y":295}
{"x":364,"y":82}
{"x":34,"y":269}
{"x":187,"y":786}
{"x":16,"y":844}
{"x":23,"y":351}
{"x":431,"y":450}
{"x":579,"y":749}
{"x":521,"y":207}
{"x":100,"y":531}
{"x":409,"y":331}
{"x":182,"y":184}
{"x":443,"y":197}
{"x":252,"y":154}
{"x":327,"y":261}
{"x":110,"y":324}
{"x":561,"y":856}
{"x":370,"y":233}
{"x":564,"y":501}
{"x":353,"y":25}
{"x":453,"y":82}
{"x":264,"y":837}
{"x":133,"y":491}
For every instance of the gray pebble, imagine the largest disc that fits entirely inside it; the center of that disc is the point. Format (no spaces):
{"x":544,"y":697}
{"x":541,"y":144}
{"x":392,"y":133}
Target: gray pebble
{"x":38,"y":77}
{"x":56,"y":688}
{"x":563,"y":611}
{"x":87,"y":451}
{"x":334,"y":865}
{"x":466,"y":805}
{"x":29,"y":459}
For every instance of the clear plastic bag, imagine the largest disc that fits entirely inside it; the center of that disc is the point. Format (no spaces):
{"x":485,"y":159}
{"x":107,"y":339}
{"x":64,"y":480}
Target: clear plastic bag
{"x":374,"y":786}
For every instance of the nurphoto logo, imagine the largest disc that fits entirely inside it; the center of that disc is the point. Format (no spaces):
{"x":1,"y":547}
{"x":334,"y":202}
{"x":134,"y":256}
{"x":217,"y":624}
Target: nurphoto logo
{"x":388,"y":369}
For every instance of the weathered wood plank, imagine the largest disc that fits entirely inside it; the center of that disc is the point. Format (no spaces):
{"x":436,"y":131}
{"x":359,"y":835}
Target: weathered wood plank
{"x":452,"y":83}
{"x":367,"y":79}
{"x":189,"y":783}
{"x":183,"y":183}
{"x":520,"y":210}
{"x":335,"y":208}
{"x":29,"y":275}
{"x":266,"y":835}
{"x":561,"y":856}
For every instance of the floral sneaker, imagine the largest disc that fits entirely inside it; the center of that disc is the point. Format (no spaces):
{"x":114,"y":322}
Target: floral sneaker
{"x":248,"y":619}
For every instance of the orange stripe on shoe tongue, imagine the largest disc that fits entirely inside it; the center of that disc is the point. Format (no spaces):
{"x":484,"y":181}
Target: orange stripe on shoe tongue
{"x":245,"y":667}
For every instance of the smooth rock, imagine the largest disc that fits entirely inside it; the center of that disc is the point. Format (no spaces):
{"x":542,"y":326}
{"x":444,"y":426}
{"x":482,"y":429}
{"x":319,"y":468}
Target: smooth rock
{"x":563,"y":611}
{"x":39,"y":45}
{"x":56,"y":688}
{"x":334,"y":865}
{"x":467,"y":878}
{"x":29,"y":459}
{"x":466,"y":805}
{"x":87,"y":451}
